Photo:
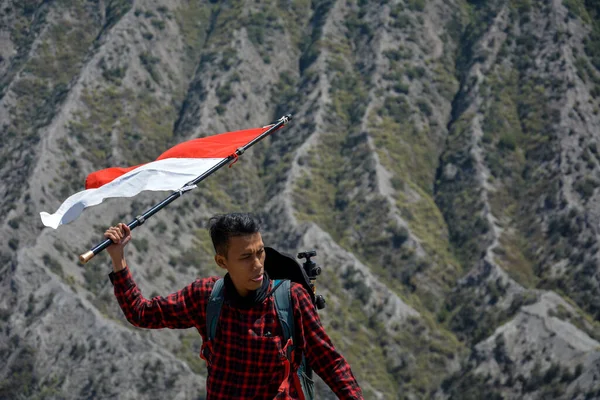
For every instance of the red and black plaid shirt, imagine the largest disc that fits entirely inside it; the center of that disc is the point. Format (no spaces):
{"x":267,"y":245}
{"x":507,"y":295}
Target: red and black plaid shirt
{"x":247,"y":359}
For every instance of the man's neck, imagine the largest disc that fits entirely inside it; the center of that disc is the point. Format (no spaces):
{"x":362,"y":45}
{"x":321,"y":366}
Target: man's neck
{"x":251,"y":297}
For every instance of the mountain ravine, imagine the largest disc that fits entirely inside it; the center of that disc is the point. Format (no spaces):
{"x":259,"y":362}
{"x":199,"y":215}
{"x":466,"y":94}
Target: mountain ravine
{"x":443,"y":161}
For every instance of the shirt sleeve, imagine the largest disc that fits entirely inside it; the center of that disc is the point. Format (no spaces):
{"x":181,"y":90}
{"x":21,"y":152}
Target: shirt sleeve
{"x":322,"y":356}
{"x":179,"y":310}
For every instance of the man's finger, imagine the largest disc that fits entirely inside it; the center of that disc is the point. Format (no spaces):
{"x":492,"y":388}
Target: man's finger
{"x":126,"y":229}
{"x":115,"y":234}
{"x":118,"y":233}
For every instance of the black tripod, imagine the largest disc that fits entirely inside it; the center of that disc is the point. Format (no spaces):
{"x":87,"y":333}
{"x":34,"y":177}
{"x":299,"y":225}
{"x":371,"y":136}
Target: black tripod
{"x":312,"y":271}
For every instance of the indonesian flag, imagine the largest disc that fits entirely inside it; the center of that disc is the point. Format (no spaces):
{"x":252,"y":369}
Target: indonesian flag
{"x":172,"y":170}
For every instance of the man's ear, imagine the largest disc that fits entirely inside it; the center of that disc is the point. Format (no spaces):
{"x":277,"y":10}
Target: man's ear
{"x":221,"y":261}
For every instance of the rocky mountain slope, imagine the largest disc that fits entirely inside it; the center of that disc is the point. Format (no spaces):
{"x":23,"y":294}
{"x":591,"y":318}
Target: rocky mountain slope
{"x":442,"y":160}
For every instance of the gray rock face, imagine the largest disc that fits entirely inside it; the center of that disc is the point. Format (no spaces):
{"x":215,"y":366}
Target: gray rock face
{"x":442,"y":160}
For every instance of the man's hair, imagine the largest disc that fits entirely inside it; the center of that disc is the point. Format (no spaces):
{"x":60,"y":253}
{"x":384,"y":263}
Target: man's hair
{"x":224,"y":226}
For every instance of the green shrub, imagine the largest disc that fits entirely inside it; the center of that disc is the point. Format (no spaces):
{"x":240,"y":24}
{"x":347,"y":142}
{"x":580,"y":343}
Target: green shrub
{"x":424,"y":107}
{"x":586,"y":187}
{"x":149,"y":62}
{"x":14,"y":222}
{"x":397,"y":108}
{"x":507,"y":141}
{"x":224,"y":93}
{"x":115,"y":9}
{"x":157,"y":23}
{"x":13,"y":243}
{"x":415,"y":5}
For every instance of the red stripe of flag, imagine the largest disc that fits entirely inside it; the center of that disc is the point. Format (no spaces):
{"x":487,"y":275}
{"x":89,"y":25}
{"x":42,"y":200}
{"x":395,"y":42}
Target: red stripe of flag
{"x":217,"y":146}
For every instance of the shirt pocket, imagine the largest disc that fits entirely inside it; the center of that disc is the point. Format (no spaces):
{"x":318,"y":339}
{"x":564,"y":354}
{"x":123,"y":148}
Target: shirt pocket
{"x":265,"y":352}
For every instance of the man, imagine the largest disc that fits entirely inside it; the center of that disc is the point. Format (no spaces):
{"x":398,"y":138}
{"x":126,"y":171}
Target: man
{"x":246,"y":359}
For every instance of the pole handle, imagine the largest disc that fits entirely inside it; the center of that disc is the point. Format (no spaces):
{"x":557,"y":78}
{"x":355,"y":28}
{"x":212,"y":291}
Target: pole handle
{"x":87,"y":256}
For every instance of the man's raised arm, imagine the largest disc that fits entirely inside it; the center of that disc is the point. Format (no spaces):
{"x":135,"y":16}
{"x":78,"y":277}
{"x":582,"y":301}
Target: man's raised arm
{"x":178,"y":310}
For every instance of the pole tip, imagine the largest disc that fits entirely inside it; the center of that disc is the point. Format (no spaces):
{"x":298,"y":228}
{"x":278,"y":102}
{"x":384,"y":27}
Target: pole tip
{"x":85,"y":257}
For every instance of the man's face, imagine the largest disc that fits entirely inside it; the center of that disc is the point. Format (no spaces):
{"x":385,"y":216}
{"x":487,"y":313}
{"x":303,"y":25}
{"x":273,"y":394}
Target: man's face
{"x":245,"y":262}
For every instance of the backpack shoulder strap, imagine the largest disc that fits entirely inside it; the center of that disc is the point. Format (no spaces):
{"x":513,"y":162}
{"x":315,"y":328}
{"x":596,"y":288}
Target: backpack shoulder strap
{"x":213,"y":309}
{"x":283,"y":305}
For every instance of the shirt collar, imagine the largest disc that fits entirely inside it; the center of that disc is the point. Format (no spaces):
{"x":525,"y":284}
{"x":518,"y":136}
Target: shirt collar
{"x":233,"y":298}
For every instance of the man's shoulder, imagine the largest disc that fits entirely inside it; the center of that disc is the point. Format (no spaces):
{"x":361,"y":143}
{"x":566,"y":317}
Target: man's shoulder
{"x":206,"y":284}
{"x":211,"y":279}
{"x":297,"y":291}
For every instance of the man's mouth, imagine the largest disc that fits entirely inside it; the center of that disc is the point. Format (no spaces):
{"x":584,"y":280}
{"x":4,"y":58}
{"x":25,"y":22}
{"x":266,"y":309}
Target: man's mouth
{"x":259,"y":278}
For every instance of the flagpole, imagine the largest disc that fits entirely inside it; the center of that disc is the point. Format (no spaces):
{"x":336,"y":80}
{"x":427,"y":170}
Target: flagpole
{"x":140,"y":219}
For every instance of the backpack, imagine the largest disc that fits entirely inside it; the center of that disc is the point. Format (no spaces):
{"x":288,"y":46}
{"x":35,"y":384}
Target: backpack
{"x":283,"y":305}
